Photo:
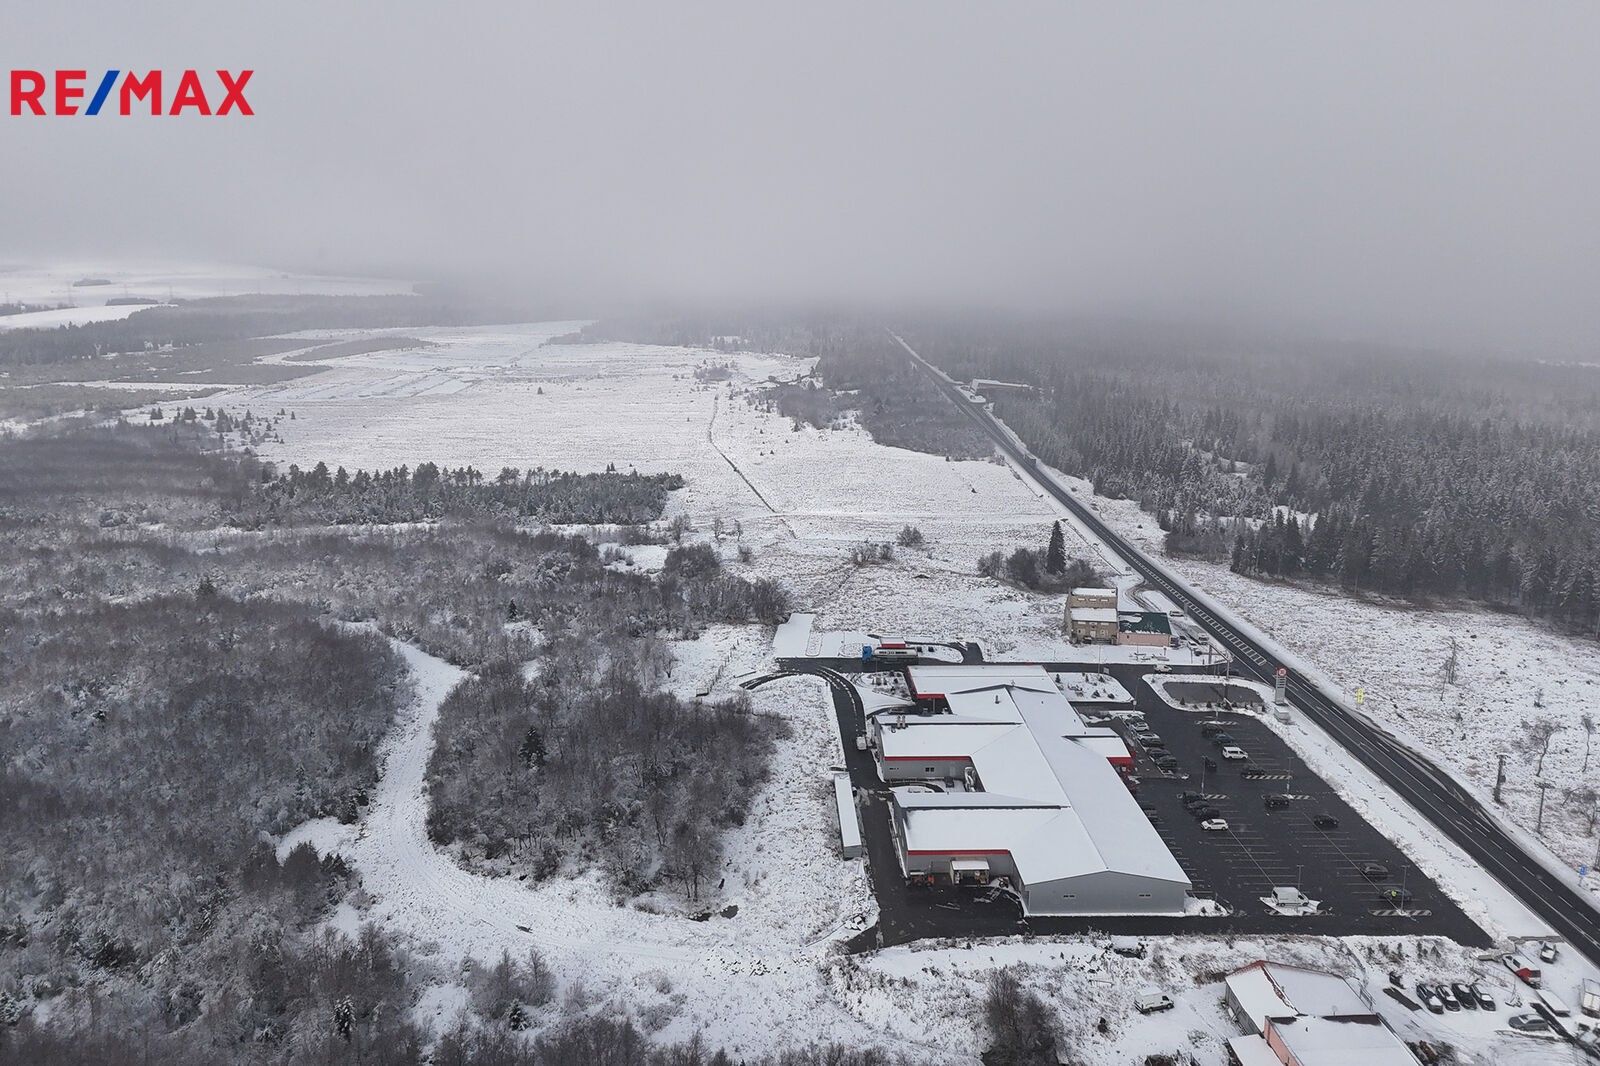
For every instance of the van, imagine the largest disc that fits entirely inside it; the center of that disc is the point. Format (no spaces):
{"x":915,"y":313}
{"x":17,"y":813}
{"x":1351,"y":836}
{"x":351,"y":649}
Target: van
{"x":1153,"y":1000}
{"x":1231,"y":752}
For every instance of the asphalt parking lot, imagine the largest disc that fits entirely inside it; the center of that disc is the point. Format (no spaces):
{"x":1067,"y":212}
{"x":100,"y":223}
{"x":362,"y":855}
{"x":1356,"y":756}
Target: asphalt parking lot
{"x":1262,"y":848}
{"x":1267,"y":847}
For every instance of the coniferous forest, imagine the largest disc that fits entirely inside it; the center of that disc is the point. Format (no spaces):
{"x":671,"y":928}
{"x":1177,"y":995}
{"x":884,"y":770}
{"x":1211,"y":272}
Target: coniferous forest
{"x":1406,"y":473}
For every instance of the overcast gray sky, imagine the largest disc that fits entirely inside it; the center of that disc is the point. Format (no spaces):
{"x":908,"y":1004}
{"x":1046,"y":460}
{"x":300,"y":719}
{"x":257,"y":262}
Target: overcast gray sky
{"x":1412,"y":170}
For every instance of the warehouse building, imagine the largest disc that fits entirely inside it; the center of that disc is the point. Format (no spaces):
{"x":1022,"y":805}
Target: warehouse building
{"x":1017,"y":786}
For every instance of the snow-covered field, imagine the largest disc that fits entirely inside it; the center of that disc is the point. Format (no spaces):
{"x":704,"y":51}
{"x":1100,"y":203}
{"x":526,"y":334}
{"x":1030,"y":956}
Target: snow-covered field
{"x":800,"y":498}
{"x":55,"y":283}
{"x":69,"y":316}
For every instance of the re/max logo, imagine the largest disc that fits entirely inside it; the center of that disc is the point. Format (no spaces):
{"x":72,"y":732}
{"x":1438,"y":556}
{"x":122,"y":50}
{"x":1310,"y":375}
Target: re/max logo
{"x":31,"y":95}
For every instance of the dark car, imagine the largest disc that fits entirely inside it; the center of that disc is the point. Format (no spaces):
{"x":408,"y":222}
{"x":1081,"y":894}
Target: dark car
{"x":1485,"y":1000}
{"x":1429,"y":997}
{"x":1464,"y":995}
{"x":1221,"y":740}
{"x":1325,"y":821}
{"x":1211,"y":729}
{"x":1395,"y":897}
{"x":1190,"y":797}
{"x":1205,"y":814}
{"x":1528,"y":1023}
{"x":1167,"y":762}
{"x":1373,"y":871}
{"x":1275,"y":799}
{"x":1447,"y":997}
{"x":1195,"y":804}
{"x":1253,"y":773}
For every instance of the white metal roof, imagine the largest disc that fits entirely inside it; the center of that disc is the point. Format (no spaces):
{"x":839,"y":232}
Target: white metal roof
{"x":1051,"y":799}
{"x":1253,"y":1051}
{"x":1342,"y":1042}
{"x":1271,"y":990}
{"x":943,"y":680}
{"x":1086,"y":591}
{"x":1094,"y":614}
{"x":928,"y":738}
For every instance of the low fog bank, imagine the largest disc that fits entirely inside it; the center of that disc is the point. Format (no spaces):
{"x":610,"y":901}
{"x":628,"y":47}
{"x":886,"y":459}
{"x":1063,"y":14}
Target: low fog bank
{"x":1419,"y":175}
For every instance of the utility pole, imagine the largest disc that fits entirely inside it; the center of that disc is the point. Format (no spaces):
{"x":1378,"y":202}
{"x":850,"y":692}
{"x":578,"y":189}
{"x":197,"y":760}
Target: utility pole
{"x":1500,"y":780}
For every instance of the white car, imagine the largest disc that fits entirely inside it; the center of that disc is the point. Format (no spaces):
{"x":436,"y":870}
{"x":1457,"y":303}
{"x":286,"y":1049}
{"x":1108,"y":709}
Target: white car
{"x":1215,"y":825}
{"x":1231,"y":752}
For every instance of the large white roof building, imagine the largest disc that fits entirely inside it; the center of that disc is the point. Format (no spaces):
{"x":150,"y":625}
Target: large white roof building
{"x":1033,"y":794}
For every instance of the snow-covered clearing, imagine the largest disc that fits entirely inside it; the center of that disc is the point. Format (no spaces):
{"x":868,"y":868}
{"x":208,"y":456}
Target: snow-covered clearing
{"x":56,"y":283}
{"x":69,"y":316}
{"x":751,"y":979}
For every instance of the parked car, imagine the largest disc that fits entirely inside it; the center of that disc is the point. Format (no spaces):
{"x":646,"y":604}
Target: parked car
{"x":1206,"y":813}
{"x":1485,"y":1000}
{"x":1429,"y":997}
{"x":1275,"y":799}
{"x":1373,"y":871}
{"x":1464,"y":995}
{"x":1150,"y":1001}
{"x":1547,"y":952}
{"x":1220,"y":738}
{"x":1168,"y":763}
{"x":1394,"y":897}
{"x":1325,"y":821}
{"x":1211,"y":729}
{"x":1528,"y":1023}
{"x":1145,"y":737}
{"x":1190,"y":796}
{"x":1231,"y":752}
{"x":1214,"y":825}
{"x":1529,"y":974}
{"x":1447,"y":997}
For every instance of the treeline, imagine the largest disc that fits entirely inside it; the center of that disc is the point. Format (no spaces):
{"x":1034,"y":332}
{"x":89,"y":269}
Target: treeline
{"x":1429,"y":476}
{"x":430,"y":492}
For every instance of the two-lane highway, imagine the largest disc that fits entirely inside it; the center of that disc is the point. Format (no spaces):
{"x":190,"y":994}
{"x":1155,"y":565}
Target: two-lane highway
{"x":1426,"y":787}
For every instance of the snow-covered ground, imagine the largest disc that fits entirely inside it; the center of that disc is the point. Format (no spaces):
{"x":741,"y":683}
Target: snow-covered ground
{"x":69,"y":316}
{"x":751,"y":978}
{"x":55,"y":283}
